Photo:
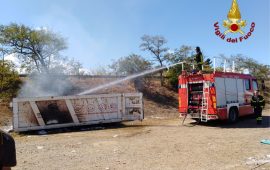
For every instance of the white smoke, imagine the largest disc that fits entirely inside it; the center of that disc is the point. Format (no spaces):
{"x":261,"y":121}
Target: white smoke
{"x":38,"y":85}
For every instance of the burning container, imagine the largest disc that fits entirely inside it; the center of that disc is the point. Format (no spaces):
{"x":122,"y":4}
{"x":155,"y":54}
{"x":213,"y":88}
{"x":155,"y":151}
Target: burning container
{"x":66,"y":111}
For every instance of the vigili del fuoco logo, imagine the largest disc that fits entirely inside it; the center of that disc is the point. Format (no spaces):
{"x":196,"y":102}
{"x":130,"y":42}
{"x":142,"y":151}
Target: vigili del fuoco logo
{"x":234,"y":25}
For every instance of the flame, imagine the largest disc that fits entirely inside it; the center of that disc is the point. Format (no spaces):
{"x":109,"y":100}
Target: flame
{"x":234,"y":12}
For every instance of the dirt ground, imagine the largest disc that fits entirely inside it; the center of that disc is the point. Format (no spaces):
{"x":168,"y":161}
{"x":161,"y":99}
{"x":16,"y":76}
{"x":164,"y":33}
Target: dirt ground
{"x":5,"y":115}
{"x":155,"y":143}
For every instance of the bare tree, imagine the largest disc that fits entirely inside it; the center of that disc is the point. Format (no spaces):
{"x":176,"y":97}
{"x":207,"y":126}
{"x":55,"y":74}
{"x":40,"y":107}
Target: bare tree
{"x":155,"y":45}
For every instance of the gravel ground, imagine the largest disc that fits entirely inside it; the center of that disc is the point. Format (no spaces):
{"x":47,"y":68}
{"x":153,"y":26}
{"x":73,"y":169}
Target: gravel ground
{"x":155,"y":143}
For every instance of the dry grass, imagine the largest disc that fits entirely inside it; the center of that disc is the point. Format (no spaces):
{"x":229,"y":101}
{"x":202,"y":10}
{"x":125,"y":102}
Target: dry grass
{"x":5,"y":114}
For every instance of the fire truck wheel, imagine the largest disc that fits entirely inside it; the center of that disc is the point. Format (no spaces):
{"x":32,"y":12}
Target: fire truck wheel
{"x":233,"y":115}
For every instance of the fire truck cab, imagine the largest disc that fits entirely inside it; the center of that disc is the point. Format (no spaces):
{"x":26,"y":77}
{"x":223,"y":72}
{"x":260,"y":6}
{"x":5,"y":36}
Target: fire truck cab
{"x":217,"y":95}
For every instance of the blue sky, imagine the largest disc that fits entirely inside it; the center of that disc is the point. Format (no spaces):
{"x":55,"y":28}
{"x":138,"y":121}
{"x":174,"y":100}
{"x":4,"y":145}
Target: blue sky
{"x":99,"y":31}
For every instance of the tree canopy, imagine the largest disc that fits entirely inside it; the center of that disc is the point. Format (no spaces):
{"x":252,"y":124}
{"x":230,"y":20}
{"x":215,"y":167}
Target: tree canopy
{"x":130,"y":64}
{"x":9,"y":80}
{"x":34,"y":47}
{"x":182,"y":54}
{"x":260,"y":71}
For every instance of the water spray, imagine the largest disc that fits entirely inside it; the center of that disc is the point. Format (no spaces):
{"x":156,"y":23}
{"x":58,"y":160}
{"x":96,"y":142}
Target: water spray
{"x":129,"y":78}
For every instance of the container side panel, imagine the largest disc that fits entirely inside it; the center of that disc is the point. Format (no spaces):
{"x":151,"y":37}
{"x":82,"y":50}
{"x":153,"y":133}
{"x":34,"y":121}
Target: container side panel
{"x":64,"y":111}
{"x":71,"y":111}
{"x":26,"y":116}
{"x":102,"y":108}
{"x":133,"y":107}
{"x":15,"y":115}
{"x":54,"y":112}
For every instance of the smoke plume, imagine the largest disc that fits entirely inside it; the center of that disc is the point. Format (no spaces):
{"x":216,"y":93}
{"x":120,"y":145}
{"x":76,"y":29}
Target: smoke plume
{"x":40,"y":84}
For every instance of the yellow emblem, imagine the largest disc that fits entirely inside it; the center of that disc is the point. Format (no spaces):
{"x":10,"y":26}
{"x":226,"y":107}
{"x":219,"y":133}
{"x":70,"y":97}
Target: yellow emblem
{"x":234,"y":22}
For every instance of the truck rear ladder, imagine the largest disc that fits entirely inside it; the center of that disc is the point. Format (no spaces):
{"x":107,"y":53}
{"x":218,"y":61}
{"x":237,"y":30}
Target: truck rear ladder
{"x":204,"y":108}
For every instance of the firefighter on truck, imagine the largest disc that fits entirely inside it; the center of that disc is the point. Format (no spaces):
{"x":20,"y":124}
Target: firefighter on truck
{"x":258,"y":103}
{"x":199,"y":59}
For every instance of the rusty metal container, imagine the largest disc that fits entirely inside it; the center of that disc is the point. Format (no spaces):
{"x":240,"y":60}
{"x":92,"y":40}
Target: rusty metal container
{"x":67,"y":111}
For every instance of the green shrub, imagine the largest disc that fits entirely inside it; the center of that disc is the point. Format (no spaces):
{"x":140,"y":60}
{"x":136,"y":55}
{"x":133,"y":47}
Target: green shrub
{"x":9,"y":80}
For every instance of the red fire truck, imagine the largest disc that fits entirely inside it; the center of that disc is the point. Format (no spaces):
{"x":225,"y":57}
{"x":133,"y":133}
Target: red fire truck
{"x":218,"y":95}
